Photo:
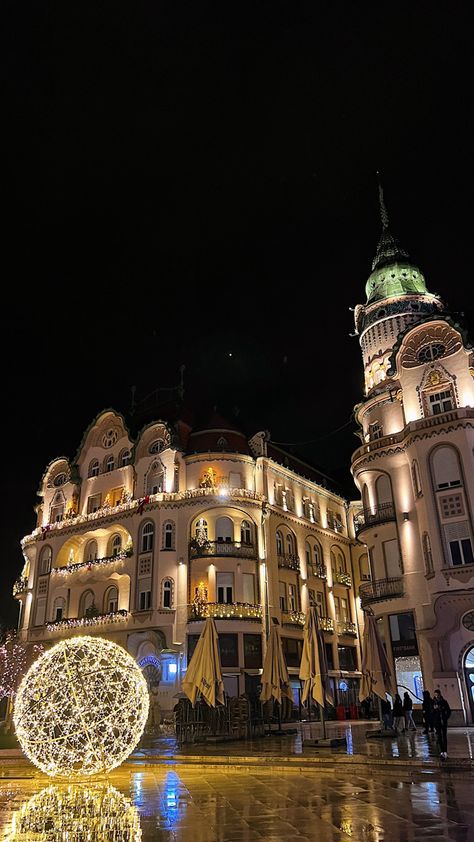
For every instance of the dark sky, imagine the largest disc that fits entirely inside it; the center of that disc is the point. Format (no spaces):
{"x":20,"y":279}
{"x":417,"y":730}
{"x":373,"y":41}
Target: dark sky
{"x":185,"y":181}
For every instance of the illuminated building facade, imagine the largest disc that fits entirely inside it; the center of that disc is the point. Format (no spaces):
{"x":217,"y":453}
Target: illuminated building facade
{"x":415,"y":473}
{"x":140,"y":538}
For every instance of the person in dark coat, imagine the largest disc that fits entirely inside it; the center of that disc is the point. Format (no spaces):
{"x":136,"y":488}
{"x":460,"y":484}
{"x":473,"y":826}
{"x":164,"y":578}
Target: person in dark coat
{"x":441,"y":714}
{"x":427,"y":712}
{"x":398,"y":715}
{"x":408,"y":712}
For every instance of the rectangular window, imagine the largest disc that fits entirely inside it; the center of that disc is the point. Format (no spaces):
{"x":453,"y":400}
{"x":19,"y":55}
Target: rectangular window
{"x":337,"y":607}
{"x":116,"y":496}
{"x":292,"y":598}
{"x":441,"y":402}
{"x":292,"y":650}
{"x":321,"y":604}
{"x":235,"y":480}
{"x":403,"y":634}
{"x":58,"y":615}
{"x":252,"y":651}
{"x":248,"y":583}
{"x":228,"y":650}
{"x":329,"y":655}
{"x":93,"y":503}
{"x":347,"y":658}
{"x":40,"y":611}
{"x":144,"y":600}
{"x":283,"y":602}
{"x":461,"y":552}
{"x":225,"y":588}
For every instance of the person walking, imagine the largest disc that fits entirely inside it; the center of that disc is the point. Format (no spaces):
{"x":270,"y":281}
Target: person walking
{"x":441,"y":714}
{"x":398,"y":715}
{"x":408,"y":712}
{"x":386,"y":714}
{"x":427,"y":712}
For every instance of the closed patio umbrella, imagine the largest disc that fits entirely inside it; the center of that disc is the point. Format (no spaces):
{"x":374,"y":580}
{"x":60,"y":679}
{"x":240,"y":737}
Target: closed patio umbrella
{"x":313,"y":667}
{"x":204,"y":673}
{"x":275,"y":679}
{"x":376,"y":673}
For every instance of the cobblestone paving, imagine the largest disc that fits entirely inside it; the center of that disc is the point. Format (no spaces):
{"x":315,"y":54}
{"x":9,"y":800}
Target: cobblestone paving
{"x":199,"y":804}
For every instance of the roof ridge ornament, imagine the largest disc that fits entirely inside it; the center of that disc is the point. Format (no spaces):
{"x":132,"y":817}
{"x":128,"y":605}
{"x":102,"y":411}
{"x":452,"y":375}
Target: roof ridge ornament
{"x":383,"y":209}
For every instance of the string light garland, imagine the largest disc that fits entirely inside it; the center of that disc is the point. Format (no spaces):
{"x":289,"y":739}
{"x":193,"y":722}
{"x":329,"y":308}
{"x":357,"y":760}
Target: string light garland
{"x":80,"y":622}
{"x":81,"y":708}
{"x":15,"y":657}
{"x":75,"y":814}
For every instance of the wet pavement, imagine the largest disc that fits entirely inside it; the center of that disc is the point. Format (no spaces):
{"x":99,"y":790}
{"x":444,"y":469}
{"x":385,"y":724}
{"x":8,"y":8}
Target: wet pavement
{"x":204,"y":804}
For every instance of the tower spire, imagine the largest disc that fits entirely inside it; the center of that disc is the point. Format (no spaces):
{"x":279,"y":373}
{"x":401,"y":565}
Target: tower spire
{"x":383,"y":209}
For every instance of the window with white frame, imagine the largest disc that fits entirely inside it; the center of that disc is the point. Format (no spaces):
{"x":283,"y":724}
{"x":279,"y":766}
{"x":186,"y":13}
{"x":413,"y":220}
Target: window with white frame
{"x":446,"y":468}
{"x":245,"y":532}
{"x":91,"y":550}
{"x":45,"y":561}
{"x":111,"y":601}
{"x":375,"y":431}
{"x":93,"y":503}
{"x":94,"y":468}
{"x":57,"y":508}
{"x":439,"y":402}
{"x":292,"y":597}
{"x":86,"y":604}
{"x":458,"y":540}
{"x":125,"y":458}
{"x":147,"y":534}
{"x":168,"y":535}
{"x":109,"y":464}
{"x":225,"y":587}
{"x":167,"y":593}
{"x":144,"y":600}
{"x":116,"y":544}
{"x":224,"y":529}
{"x":290,"y":543}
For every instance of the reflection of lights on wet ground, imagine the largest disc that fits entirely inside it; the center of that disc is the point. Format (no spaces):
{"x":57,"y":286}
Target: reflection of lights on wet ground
{"x":74,"y":814}
{"x":169,"y":800}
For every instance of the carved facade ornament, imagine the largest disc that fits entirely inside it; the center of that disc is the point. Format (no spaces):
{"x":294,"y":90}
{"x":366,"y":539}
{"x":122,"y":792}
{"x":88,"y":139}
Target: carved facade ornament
{"x":431,"y":341}
{"x":468,"y":621}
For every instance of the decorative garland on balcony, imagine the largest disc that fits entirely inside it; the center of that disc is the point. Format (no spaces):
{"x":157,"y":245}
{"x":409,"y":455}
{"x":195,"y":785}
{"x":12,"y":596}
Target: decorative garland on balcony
{"x":83,"y":565}
{"x":77,"y":622}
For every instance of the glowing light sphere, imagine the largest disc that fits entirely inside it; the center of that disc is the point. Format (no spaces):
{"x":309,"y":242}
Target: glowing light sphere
{"x":81,"y":707}
{"x":76,"y":813}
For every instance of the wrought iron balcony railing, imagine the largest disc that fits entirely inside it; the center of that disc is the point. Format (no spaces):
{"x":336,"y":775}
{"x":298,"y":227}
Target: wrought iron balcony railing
{"x":98,"y":620}
{"x":224,"y":611}
{"x":346,"y":627}
{"x":343,"y":578}
{"x":381,"y":589}
{"x":93,"y":563}
{"x":222,"y":548}
{"x":326,"y":624}
{"x":293,"y":618}
{"x":373,"y":517}
{"x":289,"y":561}
{"x":20,"y":586}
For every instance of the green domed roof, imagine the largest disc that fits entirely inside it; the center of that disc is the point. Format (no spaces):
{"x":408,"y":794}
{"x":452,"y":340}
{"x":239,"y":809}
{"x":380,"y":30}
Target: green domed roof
{"x":394,"y":279}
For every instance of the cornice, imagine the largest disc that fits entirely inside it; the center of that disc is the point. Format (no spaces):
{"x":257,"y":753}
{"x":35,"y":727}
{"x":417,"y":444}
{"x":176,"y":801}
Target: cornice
{"x":410,"y":439}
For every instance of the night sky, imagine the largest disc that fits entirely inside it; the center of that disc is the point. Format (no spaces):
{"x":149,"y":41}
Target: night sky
{"x":195,"y":184}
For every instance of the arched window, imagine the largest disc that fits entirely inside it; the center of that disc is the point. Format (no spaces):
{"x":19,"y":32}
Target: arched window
{"x":446,"y":468}
{"x":309,"y":556}
{"x":290,"y":544}
{"x":364,"y":568}
{"x":87,"y":604}
{"x":338,"y":562}
{"x":111,"y":600}
{"x":91,"y":550}
{"x":317,"y":555}
{"x":245,"y":532}
{"x":427,"y":553}
{"x":45,"y":561}
{"x":279,"y":543}
{"x":124,"y":458}
{"x":116,"y":544}
{"x":168,"y":535}
{"x":383,"y":490}
{"x":109,"y":464}
{"x":167,"y":593}
{"x":224,"y":529}
{"x":155,"y":479}
{"x":59,"y":609}
{"x":365,"y":498}
{"x":57,"y":508}
{"x":94,"y":468}
{"x":148,"y":531}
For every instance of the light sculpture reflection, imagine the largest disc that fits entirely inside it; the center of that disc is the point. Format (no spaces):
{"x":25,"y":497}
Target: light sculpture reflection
{"x":81,"y":708}
{"x":76,"y":813}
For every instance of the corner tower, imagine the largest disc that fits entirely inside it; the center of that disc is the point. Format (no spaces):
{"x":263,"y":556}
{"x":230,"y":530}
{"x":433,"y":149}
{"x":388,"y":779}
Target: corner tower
{"x":415,"y":472}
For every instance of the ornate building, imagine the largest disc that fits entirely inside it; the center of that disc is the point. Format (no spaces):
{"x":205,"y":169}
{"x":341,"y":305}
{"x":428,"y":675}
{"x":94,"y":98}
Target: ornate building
{"x":140,"y":538}
{"x":415,"y":473}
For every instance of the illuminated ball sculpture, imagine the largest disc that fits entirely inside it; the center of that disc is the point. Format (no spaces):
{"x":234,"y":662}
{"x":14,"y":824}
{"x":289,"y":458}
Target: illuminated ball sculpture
{"x":81,"y":707}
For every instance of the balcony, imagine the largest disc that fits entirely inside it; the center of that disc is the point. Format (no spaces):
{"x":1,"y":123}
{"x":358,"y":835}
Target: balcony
{"x":224,"y":611}
{"x":326,"y":624}
{"x":20,"y":586}
{"x":345,"y":627}
{"x":79,"y":622}
{"x":289,"y":561}
{"x":293,"y":618}
{"x":381,"y":589}
{"x":343,"y":578}
{"x":93,"y":564}
{"x":319,"y":571}
{"x":381,"y":514}
{"x":236,"y":549}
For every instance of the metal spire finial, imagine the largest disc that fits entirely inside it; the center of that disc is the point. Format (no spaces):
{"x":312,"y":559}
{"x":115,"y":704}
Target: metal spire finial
{"x":383,"y":209}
